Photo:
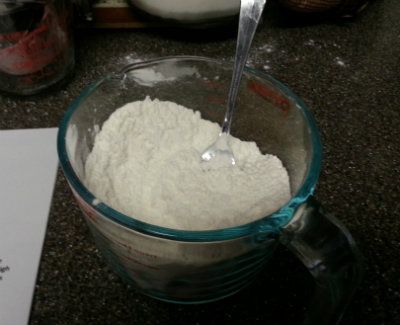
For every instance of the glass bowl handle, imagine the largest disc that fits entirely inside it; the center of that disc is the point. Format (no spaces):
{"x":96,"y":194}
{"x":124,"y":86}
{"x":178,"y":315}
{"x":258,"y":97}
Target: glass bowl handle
{"x":329,"y":252}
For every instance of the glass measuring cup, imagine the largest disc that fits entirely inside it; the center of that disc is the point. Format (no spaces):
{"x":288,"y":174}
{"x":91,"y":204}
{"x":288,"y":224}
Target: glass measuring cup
{"x":201,"y":266}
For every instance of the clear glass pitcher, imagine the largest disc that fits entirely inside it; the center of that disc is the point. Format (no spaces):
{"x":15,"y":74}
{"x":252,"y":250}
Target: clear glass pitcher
{"x":36,"y":47}
{"x":201,"y":266}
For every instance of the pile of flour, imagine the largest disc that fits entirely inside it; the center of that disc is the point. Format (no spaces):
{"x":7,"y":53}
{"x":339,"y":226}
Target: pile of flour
{"x":146,"y":164}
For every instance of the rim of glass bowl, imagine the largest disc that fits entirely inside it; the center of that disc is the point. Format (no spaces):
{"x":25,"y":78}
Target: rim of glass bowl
{"x":269,"y":224}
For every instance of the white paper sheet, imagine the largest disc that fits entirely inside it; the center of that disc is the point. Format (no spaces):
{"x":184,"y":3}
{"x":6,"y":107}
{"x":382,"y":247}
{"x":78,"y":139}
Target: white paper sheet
{"x":28,"y":166}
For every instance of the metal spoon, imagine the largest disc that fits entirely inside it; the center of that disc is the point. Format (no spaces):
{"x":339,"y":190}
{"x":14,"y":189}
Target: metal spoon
{"x":250,"y":14}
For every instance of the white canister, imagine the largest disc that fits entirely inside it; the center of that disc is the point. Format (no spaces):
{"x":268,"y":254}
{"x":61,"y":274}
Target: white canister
{"x":189,"y":10}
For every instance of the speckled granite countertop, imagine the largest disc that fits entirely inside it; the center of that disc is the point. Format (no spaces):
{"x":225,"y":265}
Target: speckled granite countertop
{"x":348,"y":74}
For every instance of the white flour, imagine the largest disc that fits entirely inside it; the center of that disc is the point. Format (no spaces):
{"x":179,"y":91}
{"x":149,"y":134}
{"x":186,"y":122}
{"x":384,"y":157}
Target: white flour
{"x":146,"y":163}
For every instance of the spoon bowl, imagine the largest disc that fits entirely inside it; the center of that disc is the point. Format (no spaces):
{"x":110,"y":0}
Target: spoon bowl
{"x":219,"y":150}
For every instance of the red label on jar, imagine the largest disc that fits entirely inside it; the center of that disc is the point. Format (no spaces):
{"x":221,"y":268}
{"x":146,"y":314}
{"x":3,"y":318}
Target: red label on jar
{"x":31,"y":51}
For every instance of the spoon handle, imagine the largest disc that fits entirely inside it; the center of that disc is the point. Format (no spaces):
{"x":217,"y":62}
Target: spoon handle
{"x":250,"y":14}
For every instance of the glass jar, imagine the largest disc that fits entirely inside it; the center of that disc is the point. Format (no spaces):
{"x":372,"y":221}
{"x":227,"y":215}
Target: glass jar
{"x":36,"y":47}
